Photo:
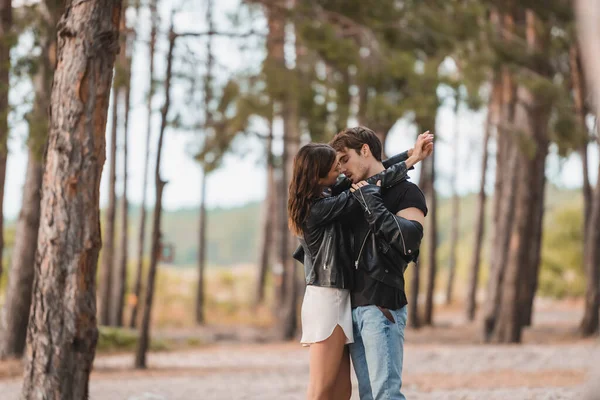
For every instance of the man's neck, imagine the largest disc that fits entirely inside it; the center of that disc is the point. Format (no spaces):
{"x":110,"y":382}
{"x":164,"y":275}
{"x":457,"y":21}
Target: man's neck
{"x":375,"y":168}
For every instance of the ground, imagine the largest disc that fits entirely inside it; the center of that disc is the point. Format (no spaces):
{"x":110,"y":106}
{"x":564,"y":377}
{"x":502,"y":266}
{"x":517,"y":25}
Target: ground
{"x":444,"y":362}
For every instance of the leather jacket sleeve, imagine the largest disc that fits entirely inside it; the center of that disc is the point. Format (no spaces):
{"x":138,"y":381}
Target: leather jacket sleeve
{"x":344,"y":183}
{"x":402,"y":234}
{"x":395,"y":159}
{"x":326,"y":210}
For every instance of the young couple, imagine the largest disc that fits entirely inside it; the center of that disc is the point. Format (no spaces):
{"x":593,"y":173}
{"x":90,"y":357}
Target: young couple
{"x":357,"y":238}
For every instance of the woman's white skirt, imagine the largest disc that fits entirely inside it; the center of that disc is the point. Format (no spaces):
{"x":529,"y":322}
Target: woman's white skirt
{"x":323,"y":309}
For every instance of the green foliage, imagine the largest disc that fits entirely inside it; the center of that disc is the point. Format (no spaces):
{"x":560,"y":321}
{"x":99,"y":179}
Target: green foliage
{"x":120,"y":339}
{"x":562,"y":272}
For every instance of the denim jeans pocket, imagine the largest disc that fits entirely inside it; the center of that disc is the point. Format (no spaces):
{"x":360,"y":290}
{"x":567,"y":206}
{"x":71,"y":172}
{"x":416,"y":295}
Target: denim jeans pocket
{"x":387,"y":314}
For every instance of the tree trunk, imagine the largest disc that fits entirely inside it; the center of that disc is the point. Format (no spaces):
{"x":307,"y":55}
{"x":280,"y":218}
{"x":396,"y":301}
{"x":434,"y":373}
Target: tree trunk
{"x":587,"y":13}
{"x":590,"y":323}
{"x":201,"y":254}
{"x":5,"y":45}
{"x":455,"y":207}
{"x":140,"y":358}
{"x":579,"y":95}
{"x":521,"y":275}
{"x":268,"y":222}
{"x":15,"y":315}
{"x":137,"y":289}
{"x":123,"y":83}
{"x":506,"y":164}
{"x":62,"y":330}
{"x":208,"y":125}
{"x":106,"y":273}
{"x":415,"y":320}
{"x":432,"y":247}
{"x":288,"y":318}
{"x":493,"y":112}
{"x":413,"y":304}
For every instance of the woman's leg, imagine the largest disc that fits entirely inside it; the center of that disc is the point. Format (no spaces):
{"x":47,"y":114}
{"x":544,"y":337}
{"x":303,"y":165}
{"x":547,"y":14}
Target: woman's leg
{"x":325,"y":360}
{"x":343,"y":385}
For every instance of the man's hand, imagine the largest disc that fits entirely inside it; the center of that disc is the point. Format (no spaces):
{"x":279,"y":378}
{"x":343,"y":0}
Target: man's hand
{"x":423,"y":148}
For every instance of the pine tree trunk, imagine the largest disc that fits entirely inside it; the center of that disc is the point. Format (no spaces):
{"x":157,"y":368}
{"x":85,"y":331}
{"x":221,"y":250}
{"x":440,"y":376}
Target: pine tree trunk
{"x":123,"y":90}
{"x":504,"y":197}
{"x":587,"y":13}
{"x":518,"y":289}
{"x":590,"y":323}
{"x":288,"y":316}
{"x":62,"y":331}
{"x":5,"y":45}
{"x":432,"y":241}
{"x":579,"y":94}
{"x":208,"y":124}
{"x":15,"y":314}
{"x":137,"y":288}
{"x":200,"y":319}
{"x":268,"y":222}
{"x":455,"y":208}
{"x":481,"y":201}
{"x":140,"y":358}
{"x":106,"y":271}
{"x":413,"y":304}
{"x":18,"y":296}
{"x":277,"y":85}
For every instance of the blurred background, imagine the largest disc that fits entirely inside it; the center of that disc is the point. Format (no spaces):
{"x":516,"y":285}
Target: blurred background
{"x":229,"y":90}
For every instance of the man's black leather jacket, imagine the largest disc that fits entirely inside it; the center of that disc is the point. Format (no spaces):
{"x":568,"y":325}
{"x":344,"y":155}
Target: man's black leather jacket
{"x":389,"y":242}
{"x":325,"y":248}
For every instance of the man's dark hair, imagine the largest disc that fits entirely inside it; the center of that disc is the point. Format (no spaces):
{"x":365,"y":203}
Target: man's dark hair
{"x":355,"y":138}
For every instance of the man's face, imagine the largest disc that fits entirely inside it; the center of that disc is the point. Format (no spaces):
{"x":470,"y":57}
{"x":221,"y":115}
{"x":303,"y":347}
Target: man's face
{"x":353,"y":165}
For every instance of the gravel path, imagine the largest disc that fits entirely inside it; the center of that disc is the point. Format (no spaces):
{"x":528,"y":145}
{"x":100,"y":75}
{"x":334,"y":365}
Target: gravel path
{"x":280,"y":371}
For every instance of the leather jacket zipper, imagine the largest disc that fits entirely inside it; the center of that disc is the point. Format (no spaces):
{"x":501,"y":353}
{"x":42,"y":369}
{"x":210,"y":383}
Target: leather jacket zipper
{"x":327,"y":248}
{"x":361,"y":249}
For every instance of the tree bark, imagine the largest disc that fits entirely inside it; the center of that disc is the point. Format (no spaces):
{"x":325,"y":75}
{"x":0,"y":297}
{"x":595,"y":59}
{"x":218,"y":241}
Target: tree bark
{"x":137,"y":289}
{"x":506,"y":164}
{"x":62,"y":330}
{"x":432,"y":240}
{"x":413,"y":304}
{"x":106,"y":272}
{"x":455,"y":208}
{"x":200,"y":319}
{"x":518,"y":288}
{"x":493,"y":112}
{"x":15,"y":315}
{"x":123,"y":90}
{"x":140,"y":358}
{"x":579,"y":94}
{"x":268,"y":222}
{"x":208,"y":125}
{"x":587,"y":13}
{"x":5,"y":45}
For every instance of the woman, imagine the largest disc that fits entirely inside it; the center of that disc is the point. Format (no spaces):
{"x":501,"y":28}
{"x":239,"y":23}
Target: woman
{"x":315,"y":217}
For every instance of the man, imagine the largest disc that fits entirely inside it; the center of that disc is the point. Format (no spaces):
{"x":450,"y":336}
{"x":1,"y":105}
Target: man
{"x":386,"y":238}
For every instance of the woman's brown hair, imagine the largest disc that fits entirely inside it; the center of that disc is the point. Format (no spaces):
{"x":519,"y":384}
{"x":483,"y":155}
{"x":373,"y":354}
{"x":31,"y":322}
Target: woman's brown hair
{"x":313,"y":162}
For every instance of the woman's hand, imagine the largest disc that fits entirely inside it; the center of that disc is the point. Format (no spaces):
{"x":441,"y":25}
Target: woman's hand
{"x":357,"y":186}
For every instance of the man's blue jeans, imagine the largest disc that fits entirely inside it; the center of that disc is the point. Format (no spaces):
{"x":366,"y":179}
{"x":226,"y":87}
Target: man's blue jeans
{"x":377,"y":352}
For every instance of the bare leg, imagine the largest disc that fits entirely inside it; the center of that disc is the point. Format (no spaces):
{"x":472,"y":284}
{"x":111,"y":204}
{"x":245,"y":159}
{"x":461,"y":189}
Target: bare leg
{"x":325,"y":360}
{"x":343,"y":385}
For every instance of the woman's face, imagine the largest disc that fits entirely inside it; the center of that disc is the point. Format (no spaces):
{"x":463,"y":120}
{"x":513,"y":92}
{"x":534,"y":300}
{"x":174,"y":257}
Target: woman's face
{"x":332,"y":175}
